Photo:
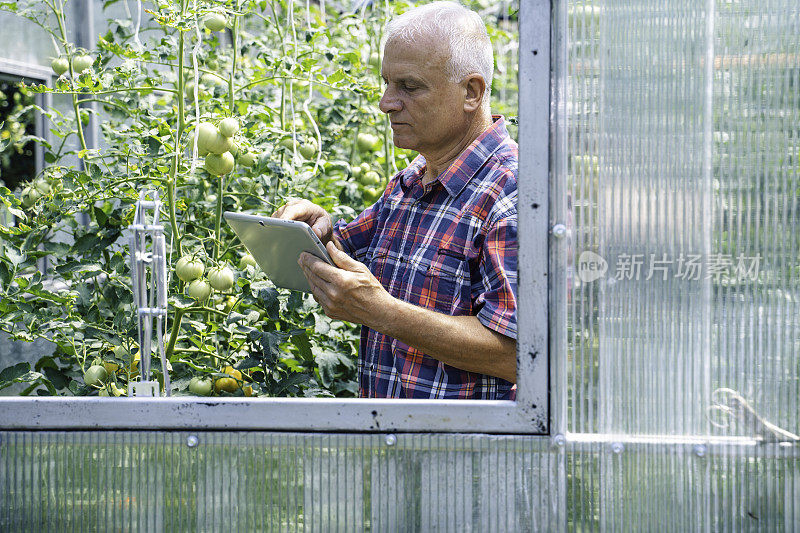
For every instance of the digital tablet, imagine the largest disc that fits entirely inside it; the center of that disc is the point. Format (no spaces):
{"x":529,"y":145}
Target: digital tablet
{"x":276,"y":245}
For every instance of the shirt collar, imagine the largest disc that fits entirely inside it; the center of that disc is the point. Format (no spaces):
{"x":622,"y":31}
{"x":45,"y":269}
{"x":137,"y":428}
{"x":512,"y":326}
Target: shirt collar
{"x":468,"y":162}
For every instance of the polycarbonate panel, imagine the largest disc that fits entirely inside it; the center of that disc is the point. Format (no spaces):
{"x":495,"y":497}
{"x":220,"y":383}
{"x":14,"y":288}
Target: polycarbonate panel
{"x":679,"y":134}
{"x":155,"y":481}
{"x":150,"y":481}
{"x":682,"y":487}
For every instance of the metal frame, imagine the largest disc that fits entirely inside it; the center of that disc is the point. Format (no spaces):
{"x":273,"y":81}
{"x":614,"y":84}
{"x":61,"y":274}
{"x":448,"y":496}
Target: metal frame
{"x":529,"y":414}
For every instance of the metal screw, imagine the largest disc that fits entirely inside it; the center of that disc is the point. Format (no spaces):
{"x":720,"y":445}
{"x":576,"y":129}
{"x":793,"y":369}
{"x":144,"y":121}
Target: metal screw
{"x":192,"y":441}
{"x":391,"y":440}
{"x":700,"y":450}
{"x":617,"y":447}
{"x":559,"y":231}
{"x":559,"y":440}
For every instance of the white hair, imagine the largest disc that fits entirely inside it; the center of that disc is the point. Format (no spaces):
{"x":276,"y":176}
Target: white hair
{"x":460,"y":28}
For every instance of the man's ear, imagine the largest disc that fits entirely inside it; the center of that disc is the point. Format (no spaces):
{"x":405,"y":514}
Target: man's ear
{"x":474,"y":86}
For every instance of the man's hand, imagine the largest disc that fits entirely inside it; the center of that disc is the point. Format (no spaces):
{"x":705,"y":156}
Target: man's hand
{"x":349,"y":292}
{"x":310,"y":213}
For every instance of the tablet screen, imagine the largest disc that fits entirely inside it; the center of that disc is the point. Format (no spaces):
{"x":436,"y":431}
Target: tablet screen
{"x":276,"y":245}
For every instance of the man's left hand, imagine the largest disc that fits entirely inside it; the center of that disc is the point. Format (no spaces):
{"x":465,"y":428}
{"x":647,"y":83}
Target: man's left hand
{"x":349,"y":292}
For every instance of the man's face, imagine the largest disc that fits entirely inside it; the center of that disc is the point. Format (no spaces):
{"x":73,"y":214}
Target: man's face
{"x":426,"y":110}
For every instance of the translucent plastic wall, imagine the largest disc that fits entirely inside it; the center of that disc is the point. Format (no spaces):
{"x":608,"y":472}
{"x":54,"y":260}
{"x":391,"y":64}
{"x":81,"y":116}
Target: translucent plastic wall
{"x":675,"y":365}
{"x":682,"y":140}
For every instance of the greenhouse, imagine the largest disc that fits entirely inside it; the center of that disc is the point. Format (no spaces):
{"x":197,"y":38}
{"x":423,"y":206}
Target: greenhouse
{"x":278,"y":265}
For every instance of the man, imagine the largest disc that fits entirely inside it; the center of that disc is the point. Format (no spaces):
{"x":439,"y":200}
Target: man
{"x":429,"y":270}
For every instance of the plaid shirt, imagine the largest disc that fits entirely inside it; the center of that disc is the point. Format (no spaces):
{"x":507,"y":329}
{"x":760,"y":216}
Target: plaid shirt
{"x":449,"y":246}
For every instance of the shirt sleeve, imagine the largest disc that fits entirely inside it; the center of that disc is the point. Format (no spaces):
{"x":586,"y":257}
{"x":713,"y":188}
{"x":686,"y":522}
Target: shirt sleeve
{"x":497,"y":291}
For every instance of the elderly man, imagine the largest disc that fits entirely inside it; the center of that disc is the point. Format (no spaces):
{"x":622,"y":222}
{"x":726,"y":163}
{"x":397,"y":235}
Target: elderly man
{"x":430,"y":270}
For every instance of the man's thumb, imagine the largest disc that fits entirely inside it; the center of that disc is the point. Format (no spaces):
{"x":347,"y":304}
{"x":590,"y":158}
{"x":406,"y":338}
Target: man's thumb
{"x":341,"y":259}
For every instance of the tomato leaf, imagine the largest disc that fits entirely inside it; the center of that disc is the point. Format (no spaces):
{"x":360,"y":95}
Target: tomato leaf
{"x":85,"y":242}
{"x":247,"y":363}
{"x":14,"y":255}
{"x":14,"y":372}
{"x":303,"y":345}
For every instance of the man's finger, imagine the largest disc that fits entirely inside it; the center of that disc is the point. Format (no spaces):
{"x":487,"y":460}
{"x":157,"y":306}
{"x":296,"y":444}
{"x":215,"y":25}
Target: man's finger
{"x":341,"y":259}
{"x":317,"y":267}
{"x":317,"y":291}
{"x":321,"y":226}
{"x":297,"y":212}
{"x":281,"y":211}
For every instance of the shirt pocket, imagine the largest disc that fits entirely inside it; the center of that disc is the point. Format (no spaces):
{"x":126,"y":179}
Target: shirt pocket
{"x":377,"y":265}
{"x":444,"y":280}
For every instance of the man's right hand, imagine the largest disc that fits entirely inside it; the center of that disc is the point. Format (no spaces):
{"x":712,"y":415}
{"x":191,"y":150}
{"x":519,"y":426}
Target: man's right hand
{"x":310,"y":213}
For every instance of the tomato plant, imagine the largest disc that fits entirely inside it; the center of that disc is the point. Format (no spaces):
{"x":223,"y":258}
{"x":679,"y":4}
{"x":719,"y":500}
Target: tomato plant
{"x":220,"y":106}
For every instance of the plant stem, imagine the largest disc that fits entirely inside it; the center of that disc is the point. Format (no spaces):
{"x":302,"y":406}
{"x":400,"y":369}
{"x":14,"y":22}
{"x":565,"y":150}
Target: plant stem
{"x":61,"y":27}
{"x":218,"y":219}
{"x":176,"y":161}
{"x":232,"y":107}
{"x":173,"y":335}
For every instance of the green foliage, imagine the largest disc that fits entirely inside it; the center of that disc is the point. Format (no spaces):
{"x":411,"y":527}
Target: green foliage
{"x":291,"y":78}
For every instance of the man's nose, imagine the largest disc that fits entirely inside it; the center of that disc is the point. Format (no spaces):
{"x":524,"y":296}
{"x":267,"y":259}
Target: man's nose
{"x":389,"y":102}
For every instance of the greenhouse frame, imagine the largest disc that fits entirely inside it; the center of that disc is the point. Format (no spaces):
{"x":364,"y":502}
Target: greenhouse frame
{"x":658,"y":355}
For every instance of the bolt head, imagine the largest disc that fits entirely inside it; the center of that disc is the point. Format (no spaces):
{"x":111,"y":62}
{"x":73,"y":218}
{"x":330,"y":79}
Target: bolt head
{"x":391,"y":440}
{"x":192,"y":441}
{"x":700,"y":450}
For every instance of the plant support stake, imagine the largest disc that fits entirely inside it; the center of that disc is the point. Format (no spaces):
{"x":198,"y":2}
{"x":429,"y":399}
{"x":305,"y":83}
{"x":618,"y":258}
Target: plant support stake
{"x":151,"y":301}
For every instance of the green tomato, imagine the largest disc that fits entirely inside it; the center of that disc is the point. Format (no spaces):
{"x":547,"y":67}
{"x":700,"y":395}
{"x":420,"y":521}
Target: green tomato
{"x":371,"y":194}
{"x":307,"y":150}
{"x":356,"y":171}
{"x":29,"y":196}
{"x":366,"y":142}
{"x":212,"y":64}
{"x":221,"y":278}
{"x":81,"y":62}
{"x":189,"y":268}
{"x":211,"y":80}
{"x":220,"y":144}
{"x":199,"y":289}
{"x":247,"y":159}
{"x":375,"y":60}
{"x":246,"y":261}
{"x":229,"y":126}
{"x":216,"y":21}
{"x":43,"y":186}
{"x":201,"y":386}
{"x":201,"y":150}
{"x":370,"y":178}
{"x":95,"y":376}
{"x":188,"y":90}
{"x":218,"y":165}
{"x":206,"y":132}
{"x":287,"y":143}
{"x":59,"y":65}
